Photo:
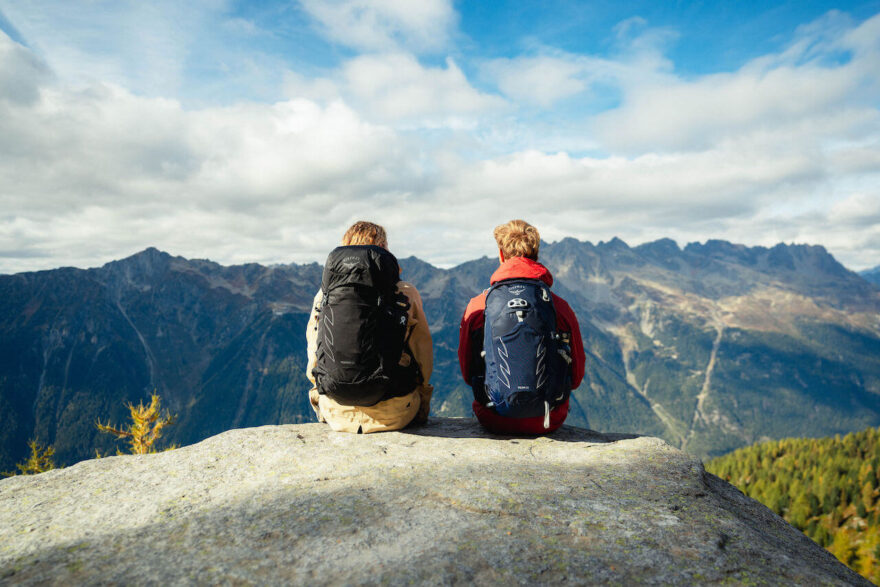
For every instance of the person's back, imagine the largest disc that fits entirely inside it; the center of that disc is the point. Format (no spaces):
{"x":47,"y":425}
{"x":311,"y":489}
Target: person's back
{"x":369,"y":347}
{"x":520,"y":346}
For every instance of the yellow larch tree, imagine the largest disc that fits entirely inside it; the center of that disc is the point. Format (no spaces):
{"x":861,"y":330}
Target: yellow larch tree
{"x":147,"y":424}
{"x":39,"y":461}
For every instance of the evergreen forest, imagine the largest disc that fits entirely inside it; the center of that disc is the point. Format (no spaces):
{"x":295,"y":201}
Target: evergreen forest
{"x":825,"y":487}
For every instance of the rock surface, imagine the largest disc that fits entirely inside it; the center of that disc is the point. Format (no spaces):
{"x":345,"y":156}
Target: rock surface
{"x":444,"y":503}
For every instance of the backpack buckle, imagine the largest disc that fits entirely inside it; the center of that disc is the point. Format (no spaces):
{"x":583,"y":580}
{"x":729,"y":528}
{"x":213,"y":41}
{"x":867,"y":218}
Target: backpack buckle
{"x":517,"y":303}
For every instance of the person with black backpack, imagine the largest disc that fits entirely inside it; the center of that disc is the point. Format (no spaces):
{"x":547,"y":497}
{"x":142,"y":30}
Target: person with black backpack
{"x":520,"y":346}
{"x":369,"y":348}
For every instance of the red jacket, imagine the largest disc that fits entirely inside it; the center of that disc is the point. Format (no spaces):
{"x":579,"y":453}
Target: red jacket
{"x":472,"y":325}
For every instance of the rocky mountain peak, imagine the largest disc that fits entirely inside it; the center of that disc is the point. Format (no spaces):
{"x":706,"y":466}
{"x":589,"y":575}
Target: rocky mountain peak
{"x":444,"y":503}
{"x":663,"y":244}
{"x":414,"y":269}
{"x":140,"y":268}
{"x":724,"y":250}
{"x":150,"y":255}
{"x":614,"y":244}
{"x":664,"y":252}
{"x":809,"y":258}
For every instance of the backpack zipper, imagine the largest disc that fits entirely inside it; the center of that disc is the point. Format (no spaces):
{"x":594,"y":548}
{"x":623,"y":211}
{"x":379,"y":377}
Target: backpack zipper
{"x":546,"y":415}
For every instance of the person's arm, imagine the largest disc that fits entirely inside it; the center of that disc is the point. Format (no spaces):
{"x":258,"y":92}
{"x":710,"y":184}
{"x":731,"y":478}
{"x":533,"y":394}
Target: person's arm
{"x":567,"y":322}
{"x":471,"y":324}
{"x":311,"y":352}
{"x":420,"y":342}
{"x":421,"y":346}
{"x":312,"y":336}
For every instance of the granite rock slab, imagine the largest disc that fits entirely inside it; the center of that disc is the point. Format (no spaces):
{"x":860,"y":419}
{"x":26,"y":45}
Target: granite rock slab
{"x":444,"y":503}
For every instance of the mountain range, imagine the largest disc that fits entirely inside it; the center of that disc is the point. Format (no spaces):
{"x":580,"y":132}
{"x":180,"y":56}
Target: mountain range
{"x":712,"y":346}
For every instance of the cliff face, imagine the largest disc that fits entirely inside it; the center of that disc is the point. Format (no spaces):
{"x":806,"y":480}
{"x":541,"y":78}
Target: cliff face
{"x":442,"y":503}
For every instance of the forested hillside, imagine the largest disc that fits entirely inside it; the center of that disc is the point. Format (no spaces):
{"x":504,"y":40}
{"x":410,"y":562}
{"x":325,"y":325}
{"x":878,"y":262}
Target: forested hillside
{"x":827,"y":487}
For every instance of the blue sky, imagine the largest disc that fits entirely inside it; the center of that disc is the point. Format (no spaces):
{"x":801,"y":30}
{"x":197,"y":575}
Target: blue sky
{"x":258,"y":131}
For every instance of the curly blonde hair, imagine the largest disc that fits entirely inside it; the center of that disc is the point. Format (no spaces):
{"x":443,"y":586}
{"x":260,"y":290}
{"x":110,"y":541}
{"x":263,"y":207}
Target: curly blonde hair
{"x":518,"y":238}
{"x":365,"y":233}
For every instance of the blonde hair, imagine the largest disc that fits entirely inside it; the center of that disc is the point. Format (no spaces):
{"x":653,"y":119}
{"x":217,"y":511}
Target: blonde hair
{"x":518,"y":238}
{"x":365,"y":233}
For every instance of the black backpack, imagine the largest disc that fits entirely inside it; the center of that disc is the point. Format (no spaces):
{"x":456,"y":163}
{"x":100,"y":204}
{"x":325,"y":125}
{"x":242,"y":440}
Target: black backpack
{"x":527,"y":361}
{"x":362,"y":330}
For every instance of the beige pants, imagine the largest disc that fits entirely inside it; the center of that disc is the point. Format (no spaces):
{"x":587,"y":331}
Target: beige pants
{"x":391,"y":414}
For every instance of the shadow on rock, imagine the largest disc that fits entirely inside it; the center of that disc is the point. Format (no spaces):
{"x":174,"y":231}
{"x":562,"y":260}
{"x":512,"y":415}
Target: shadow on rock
{"x":470,"y":428}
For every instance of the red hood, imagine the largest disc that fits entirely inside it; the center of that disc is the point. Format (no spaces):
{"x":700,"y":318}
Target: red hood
{"x":521,"y":268}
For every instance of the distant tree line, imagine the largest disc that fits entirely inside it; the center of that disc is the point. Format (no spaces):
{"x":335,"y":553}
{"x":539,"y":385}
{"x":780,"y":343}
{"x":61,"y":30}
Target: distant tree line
{"x":826,"y":487}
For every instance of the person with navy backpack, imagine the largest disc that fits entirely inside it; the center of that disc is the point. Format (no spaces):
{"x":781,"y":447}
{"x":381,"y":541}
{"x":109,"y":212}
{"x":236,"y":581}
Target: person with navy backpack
{"x":370,"y":354}
{"x":520,"y":346}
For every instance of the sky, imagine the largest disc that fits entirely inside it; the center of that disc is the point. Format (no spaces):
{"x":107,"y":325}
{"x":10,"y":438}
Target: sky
{"x":259,"y":131}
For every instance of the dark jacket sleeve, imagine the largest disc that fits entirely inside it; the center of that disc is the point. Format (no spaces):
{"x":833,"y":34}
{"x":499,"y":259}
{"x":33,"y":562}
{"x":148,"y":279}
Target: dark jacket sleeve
{"x":470,"y":337}
{"x":566,"y":321}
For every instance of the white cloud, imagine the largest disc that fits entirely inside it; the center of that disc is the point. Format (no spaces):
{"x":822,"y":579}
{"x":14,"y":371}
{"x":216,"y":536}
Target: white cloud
{"x":553,"y":75}
{"x":193,"y":50}
{"x":861,"y":209}
{"x":769,"y":93}
{"x":385,"y":25}
{"x":695,"y":115}
{"x":22,"y":73}
{"x":147,"y":39}
{"x":397,"y":87}
{"x":320,"y":89}
{"x":539,"y":80}
{"x":93,"y":171}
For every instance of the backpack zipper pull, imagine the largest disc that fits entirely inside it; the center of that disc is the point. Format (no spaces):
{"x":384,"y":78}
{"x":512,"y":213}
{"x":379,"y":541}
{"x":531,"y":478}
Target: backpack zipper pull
{"x":564,"y":355}
{"x":546,"y":415}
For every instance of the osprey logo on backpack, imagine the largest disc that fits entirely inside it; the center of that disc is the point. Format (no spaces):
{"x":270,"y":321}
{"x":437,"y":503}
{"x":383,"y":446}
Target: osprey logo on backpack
{"x":351,"y":262}
{"x":527,"y":373}
{"x":362,"y":331}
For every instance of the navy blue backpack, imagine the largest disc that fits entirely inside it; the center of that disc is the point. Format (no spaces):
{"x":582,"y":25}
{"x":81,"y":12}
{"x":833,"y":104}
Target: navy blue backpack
{"x":527,"y":360}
